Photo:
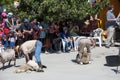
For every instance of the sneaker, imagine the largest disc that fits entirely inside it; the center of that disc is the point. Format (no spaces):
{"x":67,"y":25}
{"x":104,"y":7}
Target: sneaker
{"x":67,"y":51}
{"x":46,"y":52}
{"x":107,"y":46}
{"x":59,"y":52}
{"x":90,"y":62}
{"x":112,"y":45}
{"x":72,"y":50}
{"x":69,"y":48}
{"x":81,"y":62}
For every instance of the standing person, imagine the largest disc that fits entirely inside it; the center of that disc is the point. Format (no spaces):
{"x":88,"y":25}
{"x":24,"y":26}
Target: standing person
{"x":86,"y":27}
{"x":94,"y":21}
{"x":33,"y":45}
{"x":119,"y":52}
{"x":110,"y":24}
{"x":35,"y":28}
{"x":42,"y":35}
{"x":27,"y":30}
{"x":56,"y":39}
{"x":19,"y":37}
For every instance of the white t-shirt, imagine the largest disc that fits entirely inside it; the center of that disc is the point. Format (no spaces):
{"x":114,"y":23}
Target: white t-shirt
{"x":28,"y":46}
{"x":12,"y":39}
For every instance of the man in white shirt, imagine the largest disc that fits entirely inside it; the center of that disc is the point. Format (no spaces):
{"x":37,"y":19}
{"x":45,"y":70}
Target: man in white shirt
{"x":33,"y":45}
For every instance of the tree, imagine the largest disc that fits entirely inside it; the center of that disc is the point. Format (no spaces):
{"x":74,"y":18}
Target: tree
{"x":5,"y":2}
{"x":69,"y":9}
{"x":58,"y":9}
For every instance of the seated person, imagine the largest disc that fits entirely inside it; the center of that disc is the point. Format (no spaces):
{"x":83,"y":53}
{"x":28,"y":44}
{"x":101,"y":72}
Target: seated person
{"x":67,"y":39}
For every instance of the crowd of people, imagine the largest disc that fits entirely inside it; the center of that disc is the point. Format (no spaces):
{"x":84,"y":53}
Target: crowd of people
{"x":14,"y":32}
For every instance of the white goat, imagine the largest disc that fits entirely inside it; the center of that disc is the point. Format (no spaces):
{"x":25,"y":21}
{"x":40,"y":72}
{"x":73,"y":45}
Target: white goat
{"x":30,"y":66}
{"x":7,"y":55}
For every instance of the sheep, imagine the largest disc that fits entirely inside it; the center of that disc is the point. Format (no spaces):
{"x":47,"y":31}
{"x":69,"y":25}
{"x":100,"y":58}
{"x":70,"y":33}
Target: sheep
{"x":31,"y":65}
{"x":24,"y":68}
{"x":7,"y":55}
{"x":84,"y":57}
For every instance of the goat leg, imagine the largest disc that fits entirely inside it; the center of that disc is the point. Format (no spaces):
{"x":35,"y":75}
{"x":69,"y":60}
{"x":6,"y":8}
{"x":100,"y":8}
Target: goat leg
{"x":9,"y":62}
{"x":14,"y":61}
{"x":3,"y":66}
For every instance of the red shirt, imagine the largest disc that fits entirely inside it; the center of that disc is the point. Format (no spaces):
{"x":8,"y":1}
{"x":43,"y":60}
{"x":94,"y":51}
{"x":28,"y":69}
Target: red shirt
{"x":6,"y":30}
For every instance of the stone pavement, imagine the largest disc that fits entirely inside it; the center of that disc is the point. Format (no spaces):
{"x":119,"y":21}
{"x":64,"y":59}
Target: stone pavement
{"x":62,"y":67}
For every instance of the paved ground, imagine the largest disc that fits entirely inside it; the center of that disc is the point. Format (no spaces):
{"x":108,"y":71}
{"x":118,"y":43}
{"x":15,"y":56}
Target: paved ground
{"x":62,"y":67}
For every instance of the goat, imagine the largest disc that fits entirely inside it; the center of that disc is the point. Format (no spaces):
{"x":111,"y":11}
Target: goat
{"x":7,"y":55}
{"x":31,"y":65}
{"x":84,"y":59}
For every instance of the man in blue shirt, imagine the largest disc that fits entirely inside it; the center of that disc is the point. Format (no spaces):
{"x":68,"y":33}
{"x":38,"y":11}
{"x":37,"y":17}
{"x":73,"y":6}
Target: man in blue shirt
{"x":66,"y":39}
{"x":110,"y":24}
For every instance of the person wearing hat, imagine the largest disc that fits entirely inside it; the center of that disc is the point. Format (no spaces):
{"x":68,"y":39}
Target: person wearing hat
{"x":31,"y":46}
{"x":27,"y":30}
{"x":4,"y":14}
{"x":5,"y":21}
{"x":110,"y":24}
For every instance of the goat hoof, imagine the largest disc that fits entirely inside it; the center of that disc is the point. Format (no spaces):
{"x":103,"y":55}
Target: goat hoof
{"x":39,"y":70}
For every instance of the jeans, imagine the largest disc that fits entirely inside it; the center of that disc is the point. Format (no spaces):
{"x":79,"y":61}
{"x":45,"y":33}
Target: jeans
{"x":68,"y":44}
{"x":38,"y":51}
{"x":57,"y":44}
{"x":12,"y":44}
{"x":6,"y":44}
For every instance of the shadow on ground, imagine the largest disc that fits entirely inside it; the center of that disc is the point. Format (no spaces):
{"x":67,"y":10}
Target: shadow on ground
{"x":74,"y":60}
{"x":5,"y":67}
{"x":116,"y":71}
